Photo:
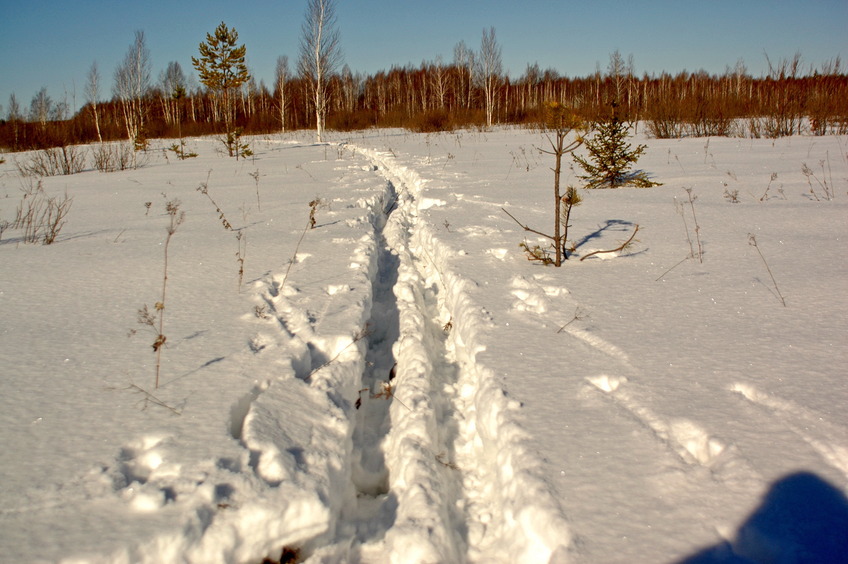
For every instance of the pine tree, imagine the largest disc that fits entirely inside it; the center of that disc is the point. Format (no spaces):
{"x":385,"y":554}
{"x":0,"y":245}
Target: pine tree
{"x":611,"y":157}
{"x":221,"y":67}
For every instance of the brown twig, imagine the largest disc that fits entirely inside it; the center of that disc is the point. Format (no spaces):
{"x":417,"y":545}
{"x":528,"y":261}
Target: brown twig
{"x":525,"y":227}
{"x":752,"y":240}
{"x":623,"y":245}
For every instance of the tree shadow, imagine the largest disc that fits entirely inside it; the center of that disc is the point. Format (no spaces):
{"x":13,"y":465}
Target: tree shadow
{"x":802,"y":519}
{"x":610,"y":225}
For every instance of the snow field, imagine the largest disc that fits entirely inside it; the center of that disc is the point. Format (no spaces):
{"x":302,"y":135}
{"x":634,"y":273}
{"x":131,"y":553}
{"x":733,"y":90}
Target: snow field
{"x":407,"y":386}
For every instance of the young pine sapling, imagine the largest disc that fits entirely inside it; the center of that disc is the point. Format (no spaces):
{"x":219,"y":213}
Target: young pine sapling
{"x":610,"y":157}
{"x":559,"y":124}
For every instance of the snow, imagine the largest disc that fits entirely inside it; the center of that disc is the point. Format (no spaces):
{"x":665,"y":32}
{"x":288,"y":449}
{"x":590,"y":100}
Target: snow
{"x":399,"y":384}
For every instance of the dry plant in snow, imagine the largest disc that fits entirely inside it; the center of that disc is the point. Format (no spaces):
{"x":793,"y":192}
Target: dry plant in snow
{"x":752,"y":240}
{"x":39,"y":216}
{"x":156,"y":319}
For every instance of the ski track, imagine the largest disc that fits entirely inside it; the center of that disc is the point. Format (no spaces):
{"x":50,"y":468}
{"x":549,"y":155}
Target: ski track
{"x":683,"y":438}
{"x":812,"y":427}
{"x":388,"y":441}
{"x":466,"y":487}
{"x":686,"y":439}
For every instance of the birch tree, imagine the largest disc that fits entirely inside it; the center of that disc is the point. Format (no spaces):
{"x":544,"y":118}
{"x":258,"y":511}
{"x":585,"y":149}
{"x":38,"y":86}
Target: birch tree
{"x":92,"y":96}
{"x":464,"y":60}
{"x":320,"y":55}
{"x":490,"y":69}
{"x":132,"y":82}
{"x":438,"y":78}
{"x":281,"y":81}
{"x":173,"y":84}
{"x":40,"y":107}
{"x":14,"y":116}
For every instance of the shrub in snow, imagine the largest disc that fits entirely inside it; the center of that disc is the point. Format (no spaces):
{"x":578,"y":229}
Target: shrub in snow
{"x":41,"y":217}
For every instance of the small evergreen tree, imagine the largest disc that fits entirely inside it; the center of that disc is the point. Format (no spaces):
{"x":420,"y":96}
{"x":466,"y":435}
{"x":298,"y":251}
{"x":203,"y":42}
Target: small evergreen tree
{"x":611,"y":157}
{"x":222,"y":68}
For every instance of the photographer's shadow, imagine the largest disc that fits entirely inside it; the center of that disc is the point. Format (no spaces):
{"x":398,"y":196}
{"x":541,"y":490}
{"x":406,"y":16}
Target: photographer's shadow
{"x":803,"y":519}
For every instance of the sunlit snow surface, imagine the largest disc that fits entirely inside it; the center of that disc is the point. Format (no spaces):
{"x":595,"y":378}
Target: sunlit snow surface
{"x":399,"y":384}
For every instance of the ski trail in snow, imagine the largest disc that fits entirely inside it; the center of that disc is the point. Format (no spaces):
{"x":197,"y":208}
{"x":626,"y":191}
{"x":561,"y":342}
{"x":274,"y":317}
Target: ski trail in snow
{"x":534,"y":296}
{"x":812,"y":427}
{"x":406,"y":374}
{"x":685,"y":438}
{"x":397,"y":488}
{"x":466,"y":487}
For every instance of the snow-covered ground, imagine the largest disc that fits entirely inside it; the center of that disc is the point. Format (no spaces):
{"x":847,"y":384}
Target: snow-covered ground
{"x":399,"y":384}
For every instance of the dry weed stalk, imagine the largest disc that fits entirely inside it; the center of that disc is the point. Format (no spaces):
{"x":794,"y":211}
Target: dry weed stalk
{"x":752,"y":240}
{"x":387,"y":391}
{"x":203,"y":188}
{"x":313,"y":209}
{"x":361,"y":334}
{"x":681,"y":211}
{"x":255,"y":175}
{"x":150,"y":398}
{"x":661,"y":276}
{"x":692,"y":199}
{"x":731,"y":196}
{"x":827,"y":188}
{"x":294,"y":255}
{"x":241,"y":238}
{"x":310,"y":224}
{"x":772,"y":179}
{"x":156,"y":320}
{"x":579,"y":315}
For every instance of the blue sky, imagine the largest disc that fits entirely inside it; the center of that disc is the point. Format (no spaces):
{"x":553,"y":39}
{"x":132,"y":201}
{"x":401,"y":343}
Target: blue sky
{"x":53,"y":44}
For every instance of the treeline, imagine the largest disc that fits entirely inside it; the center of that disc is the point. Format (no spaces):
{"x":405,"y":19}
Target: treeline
{"x":435,"y":96}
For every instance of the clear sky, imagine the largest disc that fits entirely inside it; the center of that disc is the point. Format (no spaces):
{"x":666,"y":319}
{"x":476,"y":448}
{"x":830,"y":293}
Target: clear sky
{"x":53,"y":44}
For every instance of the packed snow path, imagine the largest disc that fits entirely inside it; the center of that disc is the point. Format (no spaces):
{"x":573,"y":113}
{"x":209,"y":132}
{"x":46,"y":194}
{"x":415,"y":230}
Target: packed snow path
{"x":425,"y":461}
{"x":439,"y":471}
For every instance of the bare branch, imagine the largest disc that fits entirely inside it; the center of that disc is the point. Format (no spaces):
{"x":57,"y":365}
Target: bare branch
{"x":623,"y":245}
{"x":527,"y":228}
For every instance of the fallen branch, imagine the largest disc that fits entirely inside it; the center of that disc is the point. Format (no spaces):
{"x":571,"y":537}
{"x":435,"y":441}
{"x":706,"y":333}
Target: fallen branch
{"x":623,"y":245}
